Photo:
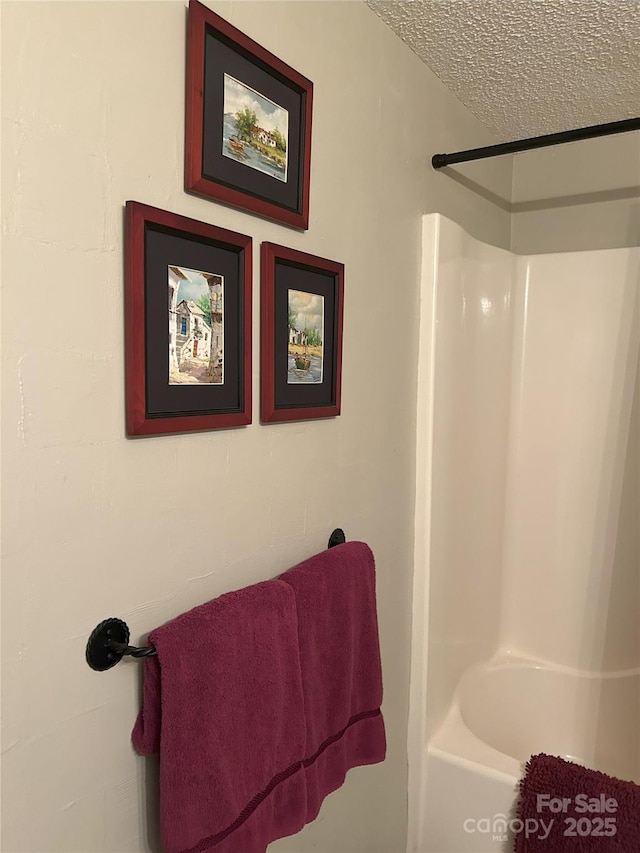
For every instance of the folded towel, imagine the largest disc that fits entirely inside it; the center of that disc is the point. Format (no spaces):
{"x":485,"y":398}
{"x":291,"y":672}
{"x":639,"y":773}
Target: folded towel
{"x":223,"y":707}
{"x":565,"y":808}
{"x":340,"y":662}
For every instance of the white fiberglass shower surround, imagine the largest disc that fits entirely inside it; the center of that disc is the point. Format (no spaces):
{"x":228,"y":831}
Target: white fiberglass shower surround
{"x":526,"y":623}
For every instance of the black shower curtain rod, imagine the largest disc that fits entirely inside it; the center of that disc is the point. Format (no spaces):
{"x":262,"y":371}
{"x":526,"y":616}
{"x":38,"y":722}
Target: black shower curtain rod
{"x":440,"y":160}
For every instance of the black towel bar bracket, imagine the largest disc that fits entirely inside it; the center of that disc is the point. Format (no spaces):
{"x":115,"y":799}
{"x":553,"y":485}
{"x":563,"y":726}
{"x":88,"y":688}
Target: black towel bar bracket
{"x":337,"y":538}
{"x":109,"y":641}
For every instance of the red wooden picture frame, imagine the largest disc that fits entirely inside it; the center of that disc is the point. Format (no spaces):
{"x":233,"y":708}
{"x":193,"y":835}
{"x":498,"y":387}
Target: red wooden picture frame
{"x":204,"y":112}
{"x":146,"y":337}
{"x":281,"y":270}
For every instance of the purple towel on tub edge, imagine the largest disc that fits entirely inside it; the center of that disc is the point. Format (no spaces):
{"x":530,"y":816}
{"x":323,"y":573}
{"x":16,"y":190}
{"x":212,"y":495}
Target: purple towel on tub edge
{"x":591,"y":812}
{"x":260,"y":701}
{"x":340,"y":661}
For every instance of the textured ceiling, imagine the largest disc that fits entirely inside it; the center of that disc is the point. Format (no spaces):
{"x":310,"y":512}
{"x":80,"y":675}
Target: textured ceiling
{"x":527,"y":67}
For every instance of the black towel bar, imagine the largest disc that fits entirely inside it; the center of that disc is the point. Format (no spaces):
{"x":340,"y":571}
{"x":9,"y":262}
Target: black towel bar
{"x":109,"y":641}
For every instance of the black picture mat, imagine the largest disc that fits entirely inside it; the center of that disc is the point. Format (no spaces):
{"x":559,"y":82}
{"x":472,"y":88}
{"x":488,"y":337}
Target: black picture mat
{"x":287,"y":277}
{"x":222,"y":57}
{"x":166,"y":247}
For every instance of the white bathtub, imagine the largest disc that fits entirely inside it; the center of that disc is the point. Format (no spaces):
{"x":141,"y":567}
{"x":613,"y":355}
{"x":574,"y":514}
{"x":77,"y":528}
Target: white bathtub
{"x":502,"y":713}
{"x":525,"y":527}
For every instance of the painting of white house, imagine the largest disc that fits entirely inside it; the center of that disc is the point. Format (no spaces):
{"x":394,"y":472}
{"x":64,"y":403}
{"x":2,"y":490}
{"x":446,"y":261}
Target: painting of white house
{"x":306,"y":337}
{"x":255,"y":130}
{"x":196,"y":327}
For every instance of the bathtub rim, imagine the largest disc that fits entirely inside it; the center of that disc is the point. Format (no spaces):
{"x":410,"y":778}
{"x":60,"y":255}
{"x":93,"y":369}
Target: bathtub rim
{"x":454,"y":728}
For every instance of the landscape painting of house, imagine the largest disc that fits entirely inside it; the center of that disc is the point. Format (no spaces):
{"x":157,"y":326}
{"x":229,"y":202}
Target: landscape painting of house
{"x":255,"y":129}
{"x":306,"y":337}
{"x":196,"y":327}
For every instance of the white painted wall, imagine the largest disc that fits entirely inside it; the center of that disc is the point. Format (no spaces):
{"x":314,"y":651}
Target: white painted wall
{"x":92,"y":108}
{"x":581,"y":196}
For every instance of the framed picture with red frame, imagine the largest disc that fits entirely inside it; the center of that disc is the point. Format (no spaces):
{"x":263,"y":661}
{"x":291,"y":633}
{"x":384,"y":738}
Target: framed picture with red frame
{"x":302,"y":300}
{"x":248,"y":123}
{"x":187,"y":323}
